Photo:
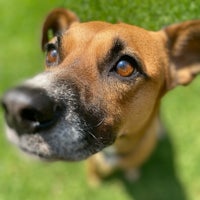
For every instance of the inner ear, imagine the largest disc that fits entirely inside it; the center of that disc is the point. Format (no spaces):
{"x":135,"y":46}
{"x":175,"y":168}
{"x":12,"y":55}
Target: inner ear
{"x":183,"y":45}
{"x":58,"y":20}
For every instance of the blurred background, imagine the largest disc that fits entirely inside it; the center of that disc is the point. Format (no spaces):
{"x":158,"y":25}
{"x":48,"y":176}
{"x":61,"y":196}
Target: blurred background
{"x":172,"y":172}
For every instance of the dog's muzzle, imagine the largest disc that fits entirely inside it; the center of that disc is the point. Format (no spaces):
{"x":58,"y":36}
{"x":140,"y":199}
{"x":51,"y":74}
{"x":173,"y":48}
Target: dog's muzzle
{"x":29,"y":110}
{"x":51,"y":122}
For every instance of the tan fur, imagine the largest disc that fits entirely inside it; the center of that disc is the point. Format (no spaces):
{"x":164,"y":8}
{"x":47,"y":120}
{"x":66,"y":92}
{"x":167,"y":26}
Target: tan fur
{"x":168,"y":58}
{"x":165,"y":57}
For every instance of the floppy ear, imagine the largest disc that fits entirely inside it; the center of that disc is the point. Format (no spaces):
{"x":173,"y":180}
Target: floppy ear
{"x":57,"y":21}
{"x":183,"y":44}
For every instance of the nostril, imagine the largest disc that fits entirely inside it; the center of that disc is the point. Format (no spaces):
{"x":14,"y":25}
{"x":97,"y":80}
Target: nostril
{"x":39,"y":119}
{"x":35,"y":120}
{"x":30,"y":114}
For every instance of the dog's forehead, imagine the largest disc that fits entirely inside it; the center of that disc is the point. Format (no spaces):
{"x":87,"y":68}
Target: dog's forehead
{"x":99,"y":36}
{"x":105,"y":31}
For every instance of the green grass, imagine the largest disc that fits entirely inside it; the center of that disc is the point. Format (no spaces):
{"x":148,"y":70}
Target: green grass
{"x":172,"y":173}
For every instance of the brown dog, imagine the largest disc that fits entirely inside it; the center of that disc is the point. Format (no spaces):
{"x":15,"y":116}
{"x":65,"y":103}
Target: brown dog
{"x":102,"y":87}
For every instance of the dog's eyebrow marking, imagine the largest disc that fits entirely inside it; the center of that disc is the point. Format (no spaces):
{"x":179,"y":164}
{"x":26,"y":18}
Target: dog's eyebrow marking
{"x":118,"y":45}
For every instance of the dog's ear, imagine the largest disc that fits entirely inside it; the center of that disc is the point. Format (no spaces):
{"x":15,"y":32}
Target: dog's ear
{"x":57,"y":21}
{"x":183,"y":46}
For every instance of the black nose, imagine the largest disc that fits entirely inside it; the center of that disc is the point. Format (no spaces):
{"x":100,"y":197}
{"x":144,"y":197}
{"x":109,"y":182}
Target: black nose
{"x":29,"y":110}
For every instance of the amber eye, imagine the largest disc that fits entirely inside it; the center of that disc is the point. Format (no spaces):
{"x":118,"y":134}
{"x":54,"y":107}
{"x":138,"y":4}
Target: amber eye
{"x":124,"y":68}
{"x":52,"y":56}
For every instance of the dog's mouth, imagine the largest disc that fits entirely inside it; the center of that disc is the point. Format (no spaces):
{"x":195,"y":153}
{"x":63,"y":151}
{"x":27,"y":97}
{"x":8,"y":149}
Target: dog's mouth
{"x":77,"y":155}
{"x":41,"y":156}
{"x":57,"y":146}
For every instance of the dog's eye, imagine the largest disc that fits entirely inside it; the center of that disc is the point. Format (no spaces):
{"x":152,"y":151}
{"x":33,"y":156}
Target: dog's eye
{"x":124,"y":68}
{"x":127,"y":68}
{"x":51,"y":55}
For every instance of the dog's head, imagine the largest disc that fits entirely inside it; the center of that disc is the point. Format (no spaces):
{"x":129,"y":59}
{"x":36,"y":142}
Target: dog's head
{"x":101,"y":81}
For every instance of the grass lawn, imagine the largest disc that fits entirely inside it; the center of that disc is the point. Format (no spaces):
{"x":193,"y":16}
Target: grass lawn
{"x":172,"y":173}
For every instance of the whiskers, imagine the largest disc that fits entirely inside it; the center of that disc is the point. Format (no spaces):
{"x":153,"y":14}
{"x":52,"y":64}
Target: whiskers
{"x":91,"y":129}
{"x":99,"y":124}
{"x":99,"y":137}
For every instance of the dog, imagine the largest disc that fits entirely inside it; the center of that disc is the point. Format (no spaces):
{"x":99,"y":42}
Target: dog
{"x":99,"y":96}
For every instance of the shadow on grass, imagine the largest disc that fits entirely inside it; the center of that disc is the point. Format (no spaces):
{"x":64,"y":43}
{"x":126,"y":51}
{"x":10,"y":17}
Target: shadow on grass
{"x":158,"y":179}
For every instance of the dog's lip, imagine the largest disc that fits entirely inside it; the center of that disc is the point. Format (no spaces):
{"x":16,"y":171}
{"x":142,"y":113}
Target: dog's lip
{"x":41,"y":156}
{"x":45,"y":157}
{"x":53,"y":158}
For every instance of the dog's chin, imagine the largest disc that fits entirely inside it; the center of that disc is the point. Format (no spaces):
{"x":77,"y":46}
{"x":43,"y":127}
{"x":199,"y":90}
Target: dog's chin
{"x":44,"y":148}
